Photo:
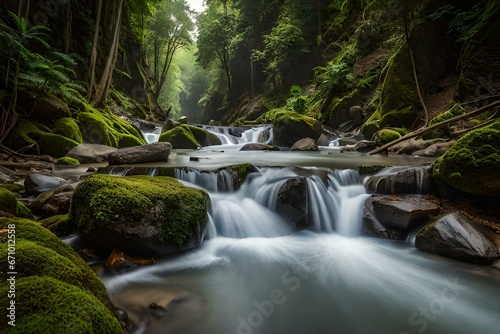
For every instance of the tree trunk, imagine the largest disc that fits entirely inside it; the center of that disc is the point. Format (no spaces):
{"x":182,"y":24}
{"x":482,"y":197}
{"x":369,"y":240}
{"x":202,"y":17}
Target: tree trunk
{"x":105,"y":83}
{"x":93,"y":58}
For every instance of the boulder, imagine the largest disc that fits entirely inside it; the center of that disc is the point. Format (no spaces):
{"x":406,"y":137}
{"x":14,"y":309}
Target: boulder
{"x":402,"y":212}
{"x":472,"y":164}
{"x":456,"y":236}
{"x":435,"y":150}
{"x":289,"y":127}
{"x":142,"y":216}
{"x":10,"y":206}
{"x":372,"y":227}
{"x":400,"y":180}
{"x":356,"y":113}
{"x":138,"y":154}
{"x":292,"y":202}
{"x":35,"y":184}
{"x":48,"y":108}
{"x":91,"y":153}
{"x":305,"y":144}
{"x":180,"y":137}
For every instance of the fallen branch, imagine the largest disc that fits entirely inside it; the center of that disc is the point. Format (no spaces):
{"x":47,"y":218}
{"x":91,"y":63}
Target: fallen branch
{"x":435,"y":126}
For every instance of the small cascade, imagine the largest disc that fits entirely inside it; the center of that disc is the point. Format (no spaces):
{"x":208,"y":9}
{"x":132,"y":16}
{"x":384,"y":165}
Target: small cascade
{"x":152,"y":136}
{"x":401,"y":180}
{"x":261,"y":134}
{"x":210,"y":181}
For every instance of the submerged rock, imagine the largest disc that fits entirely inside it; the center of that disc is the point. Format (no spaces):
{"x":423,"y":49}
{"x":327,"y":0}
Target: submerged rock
{"x":402,"y":212}
{"x":454,"y":235}
{"x":140,"y":215}
{"x":154,"y":152}
{"x":258,"y":147}
{"x":292,"y":202}
{"x":35,"y":184}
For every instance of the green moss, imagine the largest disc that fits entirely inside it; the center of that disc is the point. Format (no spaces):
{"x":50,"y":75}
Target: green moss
{"x":48,"y":305}
{"x":111,"y":200}
{"x":33,"y":232}
{"x":14,"y":187}
{"x":103,"y":127}
{"x":242,"y":170}
{"x":67,"y":161}
{"x":28,"y":132}
{"x":68,"y":127}
{"x":385,"y":136}
{"x":456,"y":110}
{"x":286,"y":116}
{"x":472,"y":164}
{"x":180,"y":137}
{"x":203,"y":136}
{"x":60,"y":225}
{"x":10,"y":204}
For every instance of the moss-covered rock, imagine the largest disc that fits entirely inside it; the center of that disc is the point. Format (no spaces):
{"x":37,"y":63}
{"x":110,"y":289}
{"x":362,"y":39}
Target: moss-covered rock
{"x":48,"y":305}
{"x":289,"y":127}
{"x":14,"y":187}
{"x":68,"y":127}
{"x":140,"y":215}
{"x":180,"y":137}
{"x":29,"y":132}
{"x":204,"y":137}
{"x":385,"y":136}
{"x":31,"y":231}
{"x":60,"y":225}
{"x":9,"y":204}
{"x":472,"y":164}
{"x":103,"y":127}
{"x":67,"y":161}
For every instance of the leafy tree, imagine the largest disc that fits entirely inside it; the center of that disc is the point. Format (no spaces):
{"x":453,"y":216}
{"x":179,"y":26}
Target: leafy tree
{"x":168,"y":30}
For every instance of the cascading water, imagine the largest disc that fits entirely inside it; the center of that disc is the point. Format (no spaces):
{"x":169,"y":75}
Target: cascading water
{"x":256,"y":275}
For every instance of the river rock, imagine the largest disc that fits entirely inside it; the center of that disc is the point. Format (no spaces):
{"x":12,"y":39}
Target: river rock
{"x":362,"y":146}
{"x":258,"y":147}
{"x":454,"y":235}
{"x":292,"y":202}
{"x":356,"y":113}
{"x":288,"y":127}
{"x":138,"y":154}
{"x":142,"y":216}
{"x":435,"y":150}
{"x":402,"y":212}
{"x":304,"y":144}
{"x":35,"y":184}
{"x":372,"y":227}
{"x":401,"y":180}
{"x":53,"y":202}
{"x":91,"y":153}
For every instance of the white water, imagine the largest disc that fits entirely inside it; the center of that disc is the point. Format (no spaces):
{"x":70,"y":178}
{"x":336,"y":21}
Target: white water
{"x":259,"y":134}
{"x":257,"y":275}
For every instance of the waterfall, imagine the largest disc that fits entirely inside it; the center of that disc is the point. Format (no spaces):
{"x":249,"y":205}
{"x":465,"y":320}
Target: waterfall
{"x":152,"y":136}
{"x":261,"y":134}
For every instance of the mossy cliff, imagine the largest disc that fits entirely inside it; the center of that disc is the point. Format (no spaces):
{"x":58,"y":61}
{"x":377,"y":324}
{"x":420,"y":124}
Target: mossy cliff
{"x":140,"y":215}
{"x":56,"y":291}
{"x":472,"y":164}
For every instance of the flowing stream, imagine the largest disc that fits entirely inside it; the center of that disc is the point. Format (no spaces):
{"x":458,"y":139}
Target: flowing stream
{"x":255,"y":274}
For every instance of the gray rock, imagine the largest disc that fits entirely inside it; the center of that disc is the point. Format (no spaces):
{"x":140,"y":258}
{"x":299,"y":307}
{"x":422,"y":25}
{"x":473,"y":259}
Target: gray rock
{"x":91,"y":153}
{"x":35,"y":184}
{"x":435,"y":150}
{"x":400,"y":180}
{"x":145,"y":153}
{"x":304,"y":144}
{"x":361,"y":146}
{"x":456,"y":236}
{"x":372,"y":227}
{"x":183,"y":120}
{"x":292,"y":202}
{"x":402,"y":212}
{"x":53,"y":202}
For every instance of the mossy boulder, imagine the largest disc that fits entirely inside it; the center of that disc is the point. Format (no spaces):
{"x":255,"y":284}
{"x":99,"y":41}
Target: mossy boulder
{"x":181,"y":137}
{"x":103,"y":127}
{"x":28,"y":132}
{"x":204,"y":137}
{"x":289,"y":127}
{"x":9,"y":205}
{"x":67,"y":161}
{"x":68,"y":127}
{"x":140,"y":215}
{"x":48,"y":305}
{"x":60,"y":225}
{"x":58,"y":292}
{"x":385,"y":136}
{"x":472,"y":164}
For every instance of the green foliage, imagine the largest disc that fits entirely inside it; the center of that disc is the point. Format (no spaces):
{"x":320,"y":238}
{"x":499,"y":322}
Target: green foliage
{"x":297,"y":102}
